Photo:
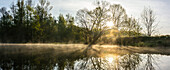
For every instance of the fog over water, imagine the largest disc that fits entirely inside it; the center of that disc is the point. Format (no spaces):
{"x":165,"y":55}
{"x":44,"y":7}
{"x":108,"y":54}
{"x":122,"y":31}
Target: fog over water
{"x":66,"y":57}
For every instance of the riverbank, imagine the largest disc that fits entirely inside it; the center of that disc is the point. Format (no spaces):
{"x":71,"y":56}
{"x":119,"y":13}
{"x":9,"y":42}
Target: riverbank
{"x":156,"y":41}
{"x":56,"y":44}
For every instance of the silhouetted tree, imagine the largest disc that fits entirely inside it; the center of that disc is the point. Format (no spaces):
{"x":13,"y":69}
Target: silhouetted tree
{"x":5,"y":24}
{"x":118,"y":16}
{"x":94,"y":21}
{"x":131,"y":27}
{"x":61,"y":27}
{"x":149,"y":19}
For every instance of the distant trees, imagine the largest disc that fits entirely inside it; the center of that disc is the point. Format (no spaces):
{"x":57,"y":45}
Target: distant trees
{"x":125,"y":26}
{"x":27,"y":23}
{"x":5,"y":24}
{"x":61,"y":27}
{"x":19,"y":21}
{"x":149,"y":19}
{"x":45,"y":19}
{"x":132,"y":27}
{"x":122,"y":23}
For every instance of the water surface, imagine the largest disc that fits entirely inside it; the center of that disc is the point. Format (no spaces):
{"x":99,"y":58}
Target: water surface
{"x":73,"y":57}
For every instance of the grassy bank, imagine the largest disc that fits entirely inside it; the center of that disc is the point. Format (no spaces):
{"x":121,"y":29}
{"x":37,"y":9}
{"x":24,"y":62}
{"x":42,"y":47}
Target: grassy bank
{"x":156,"y":41}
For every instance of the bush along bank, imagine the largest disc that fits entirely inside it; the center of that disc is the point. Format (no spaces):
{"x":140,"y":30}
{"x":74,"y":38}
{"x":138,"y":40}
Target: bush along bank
{"x":156,"y":41}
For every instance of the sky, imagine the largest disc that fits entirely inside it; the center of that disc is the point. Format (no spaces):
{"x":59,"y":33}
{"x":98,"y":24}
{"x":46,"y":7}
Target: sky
{"x":133,"y":8}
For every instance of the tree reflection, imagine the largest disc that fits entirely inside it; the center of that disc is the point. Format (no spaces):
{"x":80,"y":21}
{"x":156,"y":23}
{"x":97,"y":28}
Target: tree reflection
{"x":150,"y":60}
{"x":130,"y":61}
{"x":123,"y":62}
{"x":50,"y":59}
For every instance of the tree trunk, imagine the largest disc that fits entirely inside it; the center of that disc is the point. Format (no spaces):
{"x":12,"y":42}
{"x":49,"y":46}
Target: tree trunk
{"x":95,"y":39}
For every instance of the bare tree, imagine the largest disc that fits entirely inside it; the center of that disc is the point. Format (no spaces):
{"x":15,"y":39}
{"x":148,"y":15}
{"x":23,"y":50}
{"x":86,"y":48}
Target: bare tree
{"x":148,"y":19}
{"x":94,"y":21}
{"x":132,"y":27}
{"x":118,"y":16}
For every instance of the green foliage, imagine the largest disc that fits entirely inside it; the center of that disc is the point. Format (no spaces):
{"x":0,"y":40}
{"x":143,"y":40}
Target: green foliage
{"x":62,"y":27}
{"x":27,"y":23}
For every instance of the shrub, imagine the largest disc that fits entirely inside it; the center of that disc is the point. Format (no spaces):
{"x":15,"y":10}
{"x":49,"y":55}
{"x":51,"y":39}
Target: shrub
{"x":144,"y":41}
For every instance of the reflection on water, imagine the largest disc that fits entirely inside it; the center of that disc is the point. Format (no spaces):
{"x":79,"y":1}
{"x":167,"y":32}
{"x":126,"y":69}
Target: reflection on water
{"x":38,"y":58}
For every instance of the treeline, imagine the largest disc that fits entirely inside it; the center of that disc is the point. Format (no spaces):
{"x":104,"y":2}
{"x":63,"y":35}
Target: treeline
{"x":144,"y":41}
{"x":27,"y":23}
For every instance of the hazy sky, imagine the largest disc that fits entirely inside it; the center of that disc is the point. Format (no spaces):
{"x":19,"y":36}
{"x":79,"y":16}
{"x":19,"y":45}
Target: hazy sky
{"x":133,"y":8}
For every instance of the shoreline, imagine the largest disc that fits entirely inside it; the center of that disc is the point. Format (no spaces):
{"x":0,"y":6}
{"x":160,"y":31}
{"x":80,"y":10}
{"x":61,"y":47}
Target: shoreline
{"x":56,"y":44}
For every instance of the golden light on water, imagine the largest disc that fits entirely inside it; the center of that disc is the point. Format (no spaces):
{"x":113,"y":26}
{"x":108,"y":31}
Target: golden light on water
{"x":110,"y":57}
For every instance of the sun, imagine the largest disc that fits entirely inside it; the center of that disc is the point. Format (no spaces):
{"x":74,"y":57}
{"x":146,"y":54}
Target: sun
{"x":109,"y":23}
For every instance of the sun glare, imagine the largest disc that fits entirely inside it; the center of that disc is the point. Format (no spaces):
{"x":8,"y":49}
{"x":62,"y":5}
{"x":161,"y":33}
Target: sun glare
{"x":110,"y":58}
{"x":109,"y":23}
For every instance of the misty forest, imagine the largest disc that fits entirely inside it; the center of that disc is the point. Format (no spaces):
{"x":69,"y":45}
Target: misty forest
{"x":102,"y":38}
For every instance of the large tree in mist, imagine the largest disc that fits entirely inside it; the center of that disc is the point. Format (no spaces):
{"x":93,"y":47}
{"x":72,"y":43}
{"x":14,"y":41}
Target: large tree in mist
{"x":94,"y":21}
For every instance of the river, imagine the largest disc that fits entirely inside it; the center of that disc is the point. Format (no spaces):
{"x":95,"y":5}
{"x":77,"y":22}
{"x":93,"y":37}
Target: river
{"x":75,"y":57}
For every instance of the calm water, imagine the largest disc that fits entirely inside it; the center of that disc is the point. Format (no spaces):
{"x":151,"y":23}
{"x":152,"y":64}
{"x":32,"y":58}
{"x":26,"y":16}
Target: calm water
{"x":74,"y":58}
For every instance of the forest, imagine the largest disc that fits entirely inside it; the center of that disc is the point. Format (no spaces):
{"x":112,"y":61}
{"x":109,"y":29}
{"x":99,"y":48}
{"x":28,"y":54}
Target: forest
{"x":25,"y":23}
